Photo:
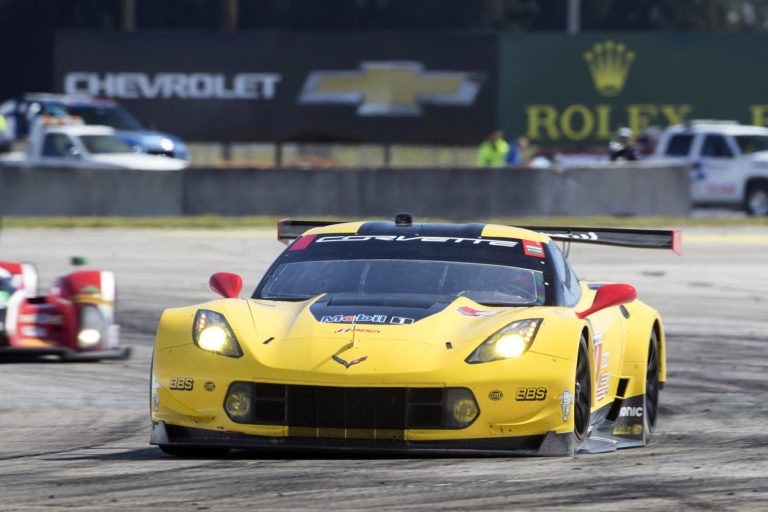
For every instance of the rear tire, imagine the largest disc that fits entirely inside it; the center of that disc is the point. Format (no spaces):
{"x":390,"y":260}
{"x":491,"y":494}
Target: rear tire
{"x":651,"y":397}
{"x":582,"y":396}
{"x":197,"y":452}
{"x":756,"y":199}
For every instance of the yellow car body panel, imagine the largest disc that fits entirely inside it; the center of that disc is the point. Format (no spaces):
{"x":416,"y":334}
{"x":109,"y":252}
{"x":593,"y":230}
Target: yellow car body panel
{"x":520,"y":397}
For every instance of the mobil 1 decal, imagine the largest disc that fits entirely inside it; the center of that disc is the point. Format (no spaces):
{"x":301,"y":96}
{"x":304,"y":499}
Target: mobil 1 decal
{"x":331,"y":309}
{"x":362,"y":318}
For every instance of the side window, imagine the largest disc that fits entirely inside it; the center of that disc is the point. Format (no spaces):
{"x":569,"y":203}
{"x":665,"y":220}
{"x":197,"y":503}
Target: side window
{"x":715,"y":146}
{"x":679,"y":145}
{"x":56,"y":145}
{"x":569,"y":283}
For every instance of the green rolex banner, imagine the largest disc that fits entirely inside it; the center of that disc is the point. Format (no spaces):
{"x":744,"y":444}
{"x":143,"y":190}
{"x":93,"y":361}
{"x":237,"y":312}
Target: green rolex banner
{"x":579,"y":89}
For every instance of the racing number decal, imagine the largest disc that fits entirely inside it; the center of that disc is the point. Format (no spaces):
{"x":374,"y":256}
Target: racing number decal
{"x":598,"y":345}
{"x":603,"y":378}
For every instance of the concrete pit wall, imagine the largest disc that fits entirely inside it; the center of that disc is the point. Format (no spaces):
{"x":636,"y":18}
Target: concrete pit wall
{"x":642,"y":188}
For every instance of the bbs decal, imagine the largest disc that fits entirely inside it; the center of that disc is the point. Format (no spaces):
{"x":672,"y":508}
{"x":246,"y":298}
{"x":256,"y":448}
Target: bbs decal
{"x":182,"y":383}
{"x":531,"y":394}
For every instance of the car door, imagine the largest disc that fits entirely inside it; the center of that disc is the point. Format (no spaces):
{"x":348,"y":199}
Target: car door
{"x":61,"y":150}
{"x":56,"y":151}
{"x":716,"y":163}
{"x":680,"y":146}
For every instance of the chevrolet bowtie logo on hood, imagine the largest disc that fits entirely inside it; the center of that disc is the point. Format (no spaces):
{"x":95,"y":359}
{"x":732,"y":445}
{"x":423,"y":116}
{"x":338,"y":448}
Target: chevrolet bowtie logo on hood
{"x":350,"y":363}
{"x":391,"y":88}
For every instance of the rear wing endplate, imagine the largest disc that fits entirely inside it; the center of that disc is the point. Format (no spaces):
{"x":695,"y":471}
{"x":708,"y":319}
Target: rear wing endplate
{"x":638,"y":238}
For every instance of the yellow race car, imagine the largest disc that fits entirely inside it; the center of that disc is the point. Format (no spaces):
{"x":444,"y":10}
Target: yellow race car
{"x":395,"y":336}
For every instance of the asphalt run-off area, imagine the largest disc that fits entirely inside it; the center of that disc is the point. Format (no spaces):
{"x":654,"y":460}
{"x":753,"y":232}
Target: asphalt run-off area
{"x":75,"y":435}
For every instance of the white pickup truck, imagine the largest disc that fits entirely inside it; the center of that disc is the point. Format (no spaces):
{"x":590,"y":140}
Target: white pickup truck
{"x":73,"y":144}
{"x":730,"y":162}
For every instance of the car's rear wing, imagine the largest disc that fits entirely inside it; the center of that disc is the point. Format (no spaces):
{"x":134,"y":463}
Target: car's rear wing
{"x":290,"y":229}
{"x":622,"y":237}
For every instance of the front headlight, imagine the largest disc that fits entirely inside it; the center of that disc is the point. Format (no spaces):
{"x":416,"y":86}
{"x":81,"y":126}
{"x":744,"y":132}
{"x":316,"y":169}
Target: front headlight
{"x":92,"y":326}
{"x":88,"y":338}
{"x":211,"y":332}
{"x":511,"y":341}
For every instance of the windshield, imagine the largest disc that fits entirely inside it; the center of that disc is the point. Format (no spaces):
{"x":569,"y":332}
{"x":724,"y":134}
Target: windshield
{"x":486,"y":284}
{"x":752,"y":143}
{"x":444,"y":262}
{"x":104,"y":144}
{"x":5,"y":286}
{"x":115,"y":117}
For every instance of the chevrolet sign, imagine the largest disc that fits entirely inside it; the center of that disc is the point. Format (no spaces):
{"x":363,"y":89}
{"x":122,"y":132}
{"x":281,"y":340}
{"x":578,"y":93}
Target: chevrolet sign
{"x":391,"y":88}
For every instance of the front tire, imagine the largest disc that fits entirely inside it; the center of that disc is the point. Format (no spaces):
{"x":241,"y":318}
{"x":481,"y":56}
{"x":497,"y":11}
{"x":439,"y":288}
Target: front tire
{"x":756,"y":199}
{"x":582,"y":396}
{"x":651,"y":397}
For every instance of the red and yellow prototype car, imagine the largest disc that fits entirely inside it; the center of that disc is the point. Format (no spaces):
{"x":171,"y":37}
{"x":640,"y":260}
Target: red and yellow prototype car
{"x":75,"y":320}
{"x":396,"y":336}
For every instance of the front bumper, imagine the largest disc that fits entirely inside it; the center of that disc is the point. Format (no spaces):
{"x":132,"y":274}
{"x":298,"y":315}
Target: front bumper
{"x":549,"y":444}
{"x":65,"y":354}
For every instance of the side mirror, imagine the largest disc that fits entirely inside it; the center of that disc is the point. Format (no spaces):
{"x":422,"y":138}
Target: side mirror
{"x":610,"y":295}
{"x":226,"y":284}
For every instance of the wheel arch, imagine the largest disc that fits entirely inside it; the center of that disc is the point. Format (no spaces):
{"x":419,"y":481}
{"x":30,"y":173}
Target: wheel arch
{"x":661,"y":340}
{"x":643,"y":321}
{"x":586,"y":331}
{"x":755,"y":180}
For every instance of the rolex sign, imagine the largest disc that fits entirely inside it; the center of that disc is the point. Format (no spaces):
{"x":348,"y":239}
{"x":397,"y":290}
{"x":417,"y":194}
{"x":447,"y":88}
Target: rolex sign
{"x":579,"y":90}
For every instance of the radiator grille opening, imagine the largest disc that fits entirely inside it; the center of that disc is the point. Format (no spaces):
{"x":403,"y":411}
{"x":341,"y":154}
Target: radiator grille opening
{"x":367,"y":413}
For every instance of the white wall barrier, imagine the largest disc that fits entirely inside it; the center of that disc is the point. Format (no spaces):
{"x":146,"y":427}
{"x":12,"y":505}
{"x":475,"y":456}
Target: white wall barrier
{"x":622,"y":189}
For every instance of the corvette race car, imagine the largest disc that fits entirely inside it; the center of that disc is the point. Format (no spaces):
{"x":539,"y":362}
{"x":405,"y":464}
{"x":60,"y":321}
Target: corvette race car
{"x":394,"y":336}
{"x":75,"y":320}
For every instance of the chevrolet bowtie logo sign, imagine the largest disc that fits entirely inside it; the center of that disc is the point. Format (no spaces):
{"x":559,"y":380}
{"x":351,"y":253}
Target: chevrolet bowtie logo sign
{"x":391,"y":88}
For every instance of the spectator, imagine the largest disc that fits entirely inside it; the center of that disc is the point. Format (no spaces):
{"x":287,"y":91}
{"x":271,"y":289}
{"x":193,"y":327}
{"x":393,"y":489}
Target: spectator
{"x":646,"y":142}
{"x":621,"y":147}
{"x":515,"y":154}
{"x":544,"y":159}
{"x":5,"y":136}
{"x":493,"y":151}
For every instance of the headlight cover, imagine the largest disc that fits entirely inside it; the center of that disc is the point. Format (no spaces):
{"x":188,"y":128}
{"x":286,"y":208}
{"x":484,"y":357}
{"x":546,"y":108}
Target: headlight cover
{"x":512,"y":341}
{"x":92,"y":327}
{"x":212,"y":333}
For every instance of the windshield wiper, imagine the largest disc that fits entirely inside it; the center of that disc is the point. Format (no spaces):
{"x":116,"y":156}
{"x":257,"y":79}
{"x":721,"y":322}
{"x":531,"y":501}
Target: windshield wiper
{"x":502,"y":304}
{"x":288,"y":298}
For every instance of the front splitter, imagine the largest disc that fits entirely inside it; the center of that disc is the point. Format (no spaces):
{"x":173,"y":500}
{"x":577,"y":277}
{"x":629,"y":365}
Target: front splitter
{"x":548,"y":444}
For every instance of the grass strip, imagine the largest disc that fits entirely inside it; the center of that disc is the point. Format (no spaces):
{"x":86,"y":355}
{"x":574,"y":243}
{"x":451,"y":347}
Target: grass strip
{"x":221,"y":222}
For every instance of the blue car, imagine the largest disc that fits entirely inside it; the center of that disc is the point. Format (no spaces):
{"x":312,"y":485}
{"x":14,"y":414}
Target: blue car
{"x":20,"y":112}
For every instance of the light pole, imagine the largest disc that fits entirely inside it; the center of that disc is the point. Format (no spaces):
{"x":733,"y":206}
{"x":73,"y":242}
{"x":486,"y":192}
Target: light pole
{"x":574,"y":16}
{"x":129,"y":16}
{"x":230,"y":15}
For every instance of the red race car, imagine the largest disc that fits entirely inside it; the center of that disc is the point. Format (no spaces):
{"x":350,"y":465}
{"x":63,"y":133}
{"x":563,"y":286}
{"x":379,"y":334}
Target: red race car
{"x":75,"y":320}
